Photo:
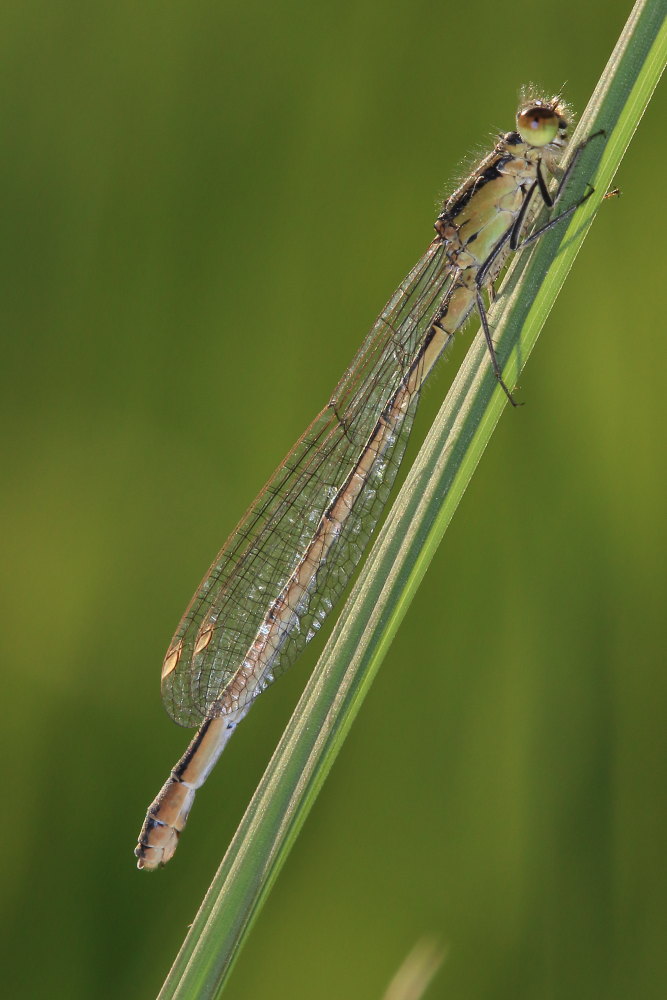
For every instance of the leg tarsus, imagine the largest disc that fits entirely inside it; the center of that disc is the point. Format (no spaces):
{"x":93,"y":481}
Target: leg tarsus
{"x":571,"y":165}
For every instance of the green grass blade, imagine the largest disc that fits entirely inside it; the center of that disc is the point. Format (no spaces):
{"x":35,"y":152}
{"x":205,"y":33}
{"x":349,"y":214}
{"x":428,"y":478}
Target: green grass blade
{"x":414,"y":528}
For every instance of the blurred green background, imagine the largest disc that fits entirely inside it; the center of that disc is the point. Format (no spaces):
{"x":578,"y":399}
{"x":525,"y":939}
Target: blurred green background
{"x":204,"y":206}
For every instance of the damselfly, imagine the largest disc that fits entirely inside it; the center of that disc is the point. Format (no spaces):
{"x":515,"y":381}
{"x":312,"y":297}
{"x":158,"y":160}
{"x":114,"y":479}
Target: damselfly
{"x":290,"y":557}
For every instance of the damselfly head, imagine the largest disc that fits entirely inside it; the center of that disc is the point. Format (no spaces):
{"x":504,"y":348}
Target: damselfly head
{"x":539,"y":122}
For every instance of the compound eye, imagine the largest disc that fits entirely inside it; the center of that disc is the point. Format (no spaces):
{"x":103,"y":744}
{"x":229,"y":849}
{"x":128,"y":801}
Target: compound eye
{"x":537,"y":125}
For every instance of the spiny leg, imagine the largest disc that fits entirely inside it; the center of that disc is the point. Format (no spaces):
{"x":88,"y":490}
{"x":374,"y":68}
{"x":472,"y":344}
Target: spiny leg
{"x":516,"y":243}
{"x":572,"y":164}
{"x":513,"y":236}
{"x":490,"y":345}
